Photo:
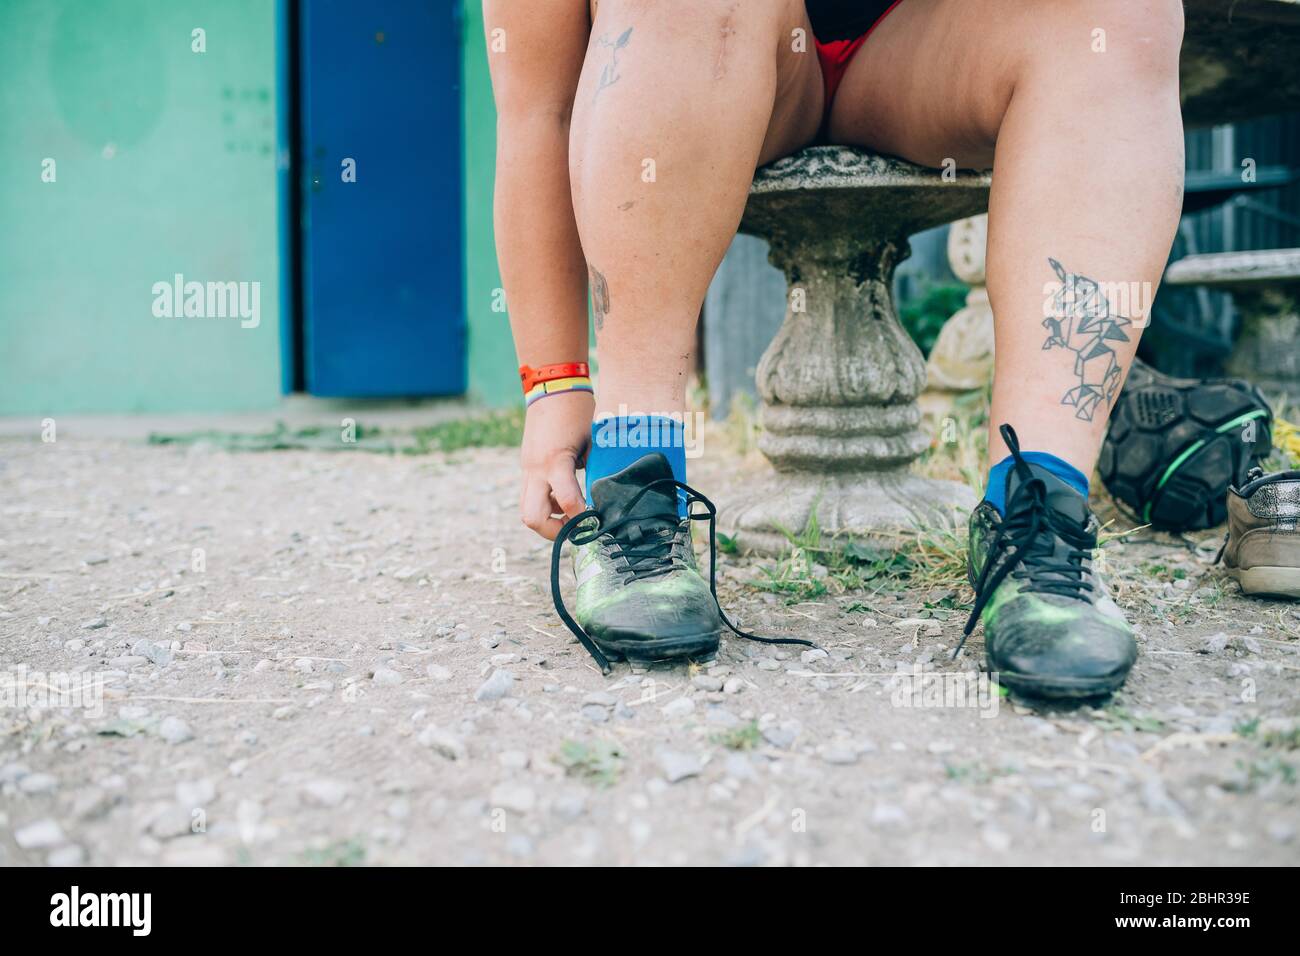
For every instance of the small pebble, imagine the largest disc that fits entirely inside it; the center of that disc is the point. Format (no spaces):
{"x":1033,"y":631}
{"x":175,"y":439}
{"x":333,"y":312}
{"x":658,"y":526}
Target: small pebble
{"x":443,"y":742}
{"x":516,"y":798}
{"x":70,"y":855}
{"x":38,"y":783}
{"x":513,"y":759}
{"x":162,"y":656}
{"x":324,"y":793}
{"x":839,"y":754}
{"x":495,"y":687}
{"x":195,"y":793}
{"x":174,"y":730}
{"x":41,"y":835}
{"x":888,"y":815}
{"x":678,"y":708}
{"x":677,"y":765}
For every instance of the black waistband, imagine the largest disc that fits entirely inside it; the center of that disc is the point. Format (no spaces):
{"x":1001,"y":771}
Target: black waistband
{"x":844,"y":19}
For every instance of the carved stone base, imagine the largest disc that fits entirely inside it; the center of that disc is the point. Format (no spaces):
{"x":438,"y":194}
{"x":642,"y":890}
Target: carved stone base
{"x":878,"y":508}
{"x":839,"y":382}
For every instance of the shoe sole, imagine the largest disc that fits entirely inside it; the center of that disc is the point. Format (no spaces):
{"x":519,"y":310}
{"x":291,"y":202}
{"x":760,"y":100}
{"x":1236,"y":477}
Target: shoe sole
{"x":1060,"y":688}
{"x":652,"y":650}
{"x":1268,"y":582}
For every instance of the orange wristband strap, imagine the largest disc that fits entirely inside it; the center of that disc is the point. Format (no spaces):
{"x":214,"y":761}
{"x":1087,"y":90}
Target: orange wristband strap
{"x":530,"y":377}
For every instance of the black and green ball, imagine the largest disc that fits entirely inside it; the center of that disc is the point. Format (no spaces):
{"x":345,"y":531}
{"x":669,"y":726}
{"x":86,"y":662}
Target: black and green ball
{"x":1174,"y":446}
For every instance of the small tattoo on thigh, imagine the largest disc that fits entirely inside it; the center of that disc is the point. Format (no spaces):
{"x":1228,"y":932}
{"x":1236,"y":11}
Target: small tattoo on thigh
{"x":1082,"y":322}
{"x":609,"y":74}
{"x":599,"y":297}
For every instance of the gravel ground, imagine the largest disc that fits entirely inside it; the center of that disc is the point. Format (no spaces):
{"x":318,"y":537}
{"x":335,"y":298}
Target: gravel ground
{"x":347,"y":658}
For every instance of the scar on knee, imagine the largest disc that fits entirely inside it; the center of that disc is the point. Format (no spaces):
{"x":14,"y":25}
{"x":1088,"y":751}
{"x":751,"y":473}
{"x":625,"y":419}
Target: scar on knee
{"x":624,"y":207}
{"x":727,"y":31}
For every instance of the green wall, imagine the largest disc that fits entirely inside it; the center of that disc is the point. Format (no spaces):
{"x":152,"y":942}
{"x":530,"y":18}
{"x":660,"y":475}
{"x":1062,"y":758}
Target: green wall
{"x":165,"y":163}
{"x":493,"y":371}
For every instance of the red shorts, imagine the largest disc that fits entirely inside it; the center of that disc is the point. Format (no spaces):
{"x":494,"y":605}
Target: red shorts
{"x":835,"y":57}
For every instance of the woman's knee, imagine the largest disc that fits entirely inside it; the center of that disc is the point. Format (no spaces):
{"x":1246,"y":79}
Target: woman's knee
{"x":1137,"y":41}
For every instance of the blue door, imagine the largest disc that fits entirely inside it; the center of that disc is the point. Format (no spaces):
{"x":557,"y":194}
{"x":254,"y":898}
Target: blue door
{"x":383,"y":296}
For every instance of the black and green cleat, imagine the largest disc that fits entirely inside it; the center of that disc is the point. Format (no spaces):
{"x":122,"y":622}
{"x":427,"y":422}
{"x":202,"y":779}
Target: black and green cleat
{"x":1051,"y":630}
{"x":641,"y":596}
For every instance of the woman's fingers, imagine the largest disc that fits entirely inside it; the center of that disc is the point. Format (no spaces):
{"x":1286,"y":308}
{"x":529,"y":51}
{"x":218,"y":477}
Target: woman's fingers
{"x":535,"y":508}
{"x":558,"y":493}
{"x":565,"y":488}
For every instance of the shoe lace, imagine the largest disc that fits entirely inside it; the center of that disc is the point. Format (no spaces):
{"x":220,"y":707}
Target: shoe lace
{"x":1025,"y":545}
{"x":645,"y":555}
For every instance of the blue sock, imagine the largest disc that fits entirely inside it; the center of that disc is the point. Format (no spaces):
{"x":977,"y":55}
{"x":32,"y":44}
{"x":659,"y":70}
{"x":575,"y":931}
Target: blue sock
{"x":619,"y":440}
{"x":995,"y":490}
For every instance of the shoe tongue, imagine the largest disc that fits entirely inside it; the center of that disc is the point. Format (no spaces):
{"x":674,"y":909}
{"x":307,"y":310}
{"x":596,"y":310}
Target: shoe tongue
{"x":612,"y":494}
{"x":1061,"y":496}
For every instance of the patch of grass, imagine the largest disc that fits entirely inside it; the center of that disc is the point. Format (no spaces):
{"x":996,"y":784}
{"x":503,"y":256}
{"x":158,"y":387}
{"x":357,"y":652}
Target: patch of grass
{"x":744,"y":737}
{"x":959,"y":441}
{"x":1286,"y":443}
{"x":598,"y":762}
{"x":1217,"y":586}
{"x":282,"y":438}
{"x":1267,"y":770}
{"x":939,"y":555}
{"x":1121,"y":719}
{"x":814,"y":566}
{"x":1282,"y":739}
{"x":339,"y":853}
{"x":496,"y":429}
{"x":741,"y":428}
{"x":973,"y":773}
{"x":817,"y":565}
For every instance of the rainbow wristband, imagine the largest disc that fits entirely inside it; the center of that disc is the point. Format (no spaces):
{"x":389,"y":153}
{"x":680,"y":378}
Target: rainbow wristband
{"x":575,"y":383}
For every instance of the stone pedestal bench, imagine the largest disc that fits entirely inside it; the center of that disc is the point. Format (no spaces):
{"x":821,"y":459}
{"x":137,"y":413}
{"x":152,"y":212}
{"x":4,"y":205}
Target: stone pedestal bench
{"x":839,"y":383}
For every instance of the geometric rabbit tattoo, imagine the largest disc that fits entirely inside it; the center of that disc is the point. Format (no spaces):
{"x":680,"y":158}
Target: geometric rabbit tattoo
{"x":1081,"y":322}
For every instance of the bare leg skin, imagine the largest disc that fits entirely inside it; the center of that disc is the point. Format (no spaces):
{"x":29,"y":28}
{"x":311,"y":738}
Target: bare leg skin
{"x":679,"y":102}
{"x":1075,"y":105}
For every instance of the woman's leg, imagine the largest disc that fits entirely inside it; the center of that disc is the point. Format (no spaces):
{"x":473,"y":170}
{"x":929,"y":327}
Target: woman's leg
{"x":678,"y":103}
{"x":1076,"y":103}
{"x":1080,"y":98}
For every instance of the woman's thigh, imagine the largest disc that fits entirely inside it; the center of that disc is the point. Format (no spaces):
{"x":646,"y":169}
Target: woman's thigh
{"x":932,"y":81}
{"x":797,"y":107}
